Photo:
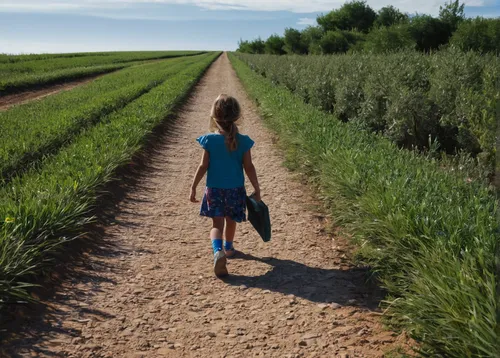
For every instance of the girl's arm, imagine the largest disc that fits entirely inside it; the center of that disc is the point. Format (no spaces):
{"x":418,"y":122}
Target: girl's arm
{"x":251,"y":173}
{"x":200,"y":172}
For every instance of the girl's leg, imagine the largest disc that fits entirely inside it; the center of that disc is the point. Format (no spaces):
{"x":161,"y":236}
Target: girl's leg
{"x":220,"y":268}
{"x":230,"y":231}
{"x":216,"y":233}
{"x":217,"y":228}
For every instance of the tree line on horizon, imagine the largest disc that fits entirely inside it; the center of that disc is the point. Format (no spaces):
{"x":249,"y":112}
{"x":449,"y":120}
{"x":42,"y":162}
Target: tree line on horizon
{"x":356,"y":27}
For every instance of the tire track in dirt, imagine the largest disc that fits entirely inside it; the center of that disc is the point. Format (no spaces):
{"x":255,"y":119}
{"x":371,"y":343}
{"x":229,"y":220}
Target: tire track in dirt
{"x":39,"y":92}
{"x":10,"y":100}
{"x":153,"y":293}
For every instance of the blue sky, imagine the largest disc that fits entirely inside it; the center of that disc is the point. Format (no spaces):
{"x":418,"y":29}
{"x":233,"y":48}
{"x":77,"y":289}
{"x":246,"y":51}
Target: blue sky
{"x":34,"y":26}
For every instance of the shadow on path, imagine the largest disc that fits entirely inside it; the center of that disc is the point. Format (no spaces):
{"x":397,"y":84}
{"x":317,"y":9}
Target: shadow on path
{"x":345,"y":287}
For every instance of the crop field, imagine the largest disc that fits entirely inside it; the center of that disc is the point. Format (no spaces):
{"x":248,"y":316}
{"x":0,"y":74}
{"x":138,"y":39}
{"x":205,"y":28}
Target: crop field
{"x":430,"y":235}
{"x":25,"y":71}
{"x":399,"y":147}
{"x":60,"y":151}
{"x":127,"y":225}
{"x":27,"y":139}
{"x":445,"y":102}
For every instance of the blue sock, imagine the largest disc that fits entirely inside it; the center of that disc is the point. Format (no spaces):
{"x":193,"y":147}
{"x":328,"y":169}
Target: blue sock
{"x":217,"y":245}
{"x":228,"y":245}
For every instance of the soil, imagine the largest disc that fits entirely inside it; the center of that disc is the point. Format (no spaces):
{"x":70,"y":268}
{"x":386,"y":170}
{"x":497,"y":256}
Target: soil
{"x":149,"y":289}
{"x":9,"y":100}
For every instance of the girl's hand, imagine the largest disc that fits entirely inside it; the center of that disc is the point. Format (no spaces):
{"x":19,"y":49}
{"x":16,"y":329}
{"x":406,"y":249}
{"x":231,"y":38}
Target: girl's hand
{"x":256,"y":195}
{"x":192,"y":198}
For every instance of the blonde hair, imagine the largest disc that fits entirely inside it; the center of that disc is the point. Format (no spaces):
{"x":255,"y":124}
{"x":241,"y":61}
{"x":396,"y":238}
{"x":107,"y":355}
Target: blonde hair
{"x":225,"y":112}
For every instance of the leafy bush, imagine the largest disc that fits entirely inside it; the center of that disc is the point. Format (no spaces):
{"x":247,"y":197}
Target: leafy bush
{"x":428,"y":32}
{"x":448,"y":98}
{"x":452,"y":14}
{"x":255,"y":46}
{"x":311,"y":37}
{"x":293,"y":42}
{"x":389,"y":39}
{"x":479,"y":34}
{"x":333,"y":42}
{"x":353,"y":15}
{"x":356,"y":40}
{"x":389,"y":16}
{"x":275,"y":45}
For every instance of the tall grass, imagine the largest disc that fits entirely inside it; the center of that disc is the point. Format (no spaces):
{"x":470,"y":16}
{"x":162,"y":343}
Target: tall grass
{"x":429,"y":234}
{"x":44,"y":208}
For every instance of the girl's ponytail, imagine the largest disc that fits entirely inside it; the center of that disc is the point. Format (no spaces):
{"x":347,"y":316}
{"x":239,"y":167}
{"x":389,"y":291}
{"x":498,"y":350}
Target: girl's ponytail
{"x":231,"y":137}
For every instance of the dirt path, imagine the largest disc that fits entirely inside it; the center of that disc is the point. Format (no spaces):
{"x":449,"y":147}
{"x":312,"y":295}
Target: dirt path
{"x":154,"y":293}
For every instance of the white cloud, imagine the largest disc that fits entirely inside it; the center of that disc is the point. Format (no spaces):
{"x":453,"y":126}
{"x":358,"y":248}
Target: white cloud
{"x":298,"y":6}
{"x":475,"y":3}
{"x":306,"y":21}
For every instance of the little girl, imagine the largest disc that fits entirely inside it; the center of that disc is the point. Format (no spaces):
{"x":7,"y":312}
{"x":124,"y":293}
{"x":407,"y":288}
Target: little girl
{"x":226,"y":153}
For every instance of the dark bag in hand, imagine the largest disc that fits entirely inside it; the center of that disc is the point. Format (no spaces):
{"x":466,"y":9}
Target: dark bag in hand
{"x":258,"y":215}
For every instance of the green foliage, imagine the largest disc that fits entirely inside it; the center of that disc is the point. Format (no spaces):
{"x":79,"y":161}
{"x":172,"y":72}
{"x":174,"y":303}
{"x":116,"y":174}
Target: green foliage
{"x":355,"y":39}
{"x":353,"y":15}
{"x":452,"y":13}
{"x":479,"y":34}
{"x":333,"y":42}
{"x":407,"y":96}
{"x":25,"y":71}
{"x":311,"y":37}
{"x":293,"y":42}
{"x":389,"y":39}
{"x":256,"y":46}
{"x":45,"y":208}
{"x":355,"y":19}
{"x":429,"y":33}
{"x":430,"y":234}
{"x":274,"y":45}
{"x":389,"y":16}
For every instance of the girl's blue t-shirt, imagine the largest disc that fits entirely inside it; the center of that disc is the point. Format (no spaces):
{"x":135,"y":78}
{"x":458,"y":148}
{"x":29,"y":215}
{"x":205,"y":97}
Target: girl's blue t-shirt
{"x":225,"y":168}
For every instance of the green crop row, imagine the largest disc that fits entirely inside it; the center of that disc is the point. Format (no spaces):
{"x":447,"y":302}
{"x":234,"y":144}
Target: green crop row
{"x":5,"y":58}
{"x":430,"y":235}
{"x":15,"y":76}
{"x":34,"y":130}
{"x":45,"y":208}
{"x":448,"y":98}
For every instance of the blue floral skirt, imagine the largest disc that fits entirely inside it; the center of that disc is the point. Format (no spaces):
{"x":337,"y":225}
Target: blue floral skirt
{"x":224,"y":203}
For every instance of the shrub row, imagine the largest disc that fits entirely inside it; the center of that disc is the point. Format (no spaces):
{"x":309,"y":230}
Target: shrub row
{"x":448,"y":98}
{"x":431,"y":235}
